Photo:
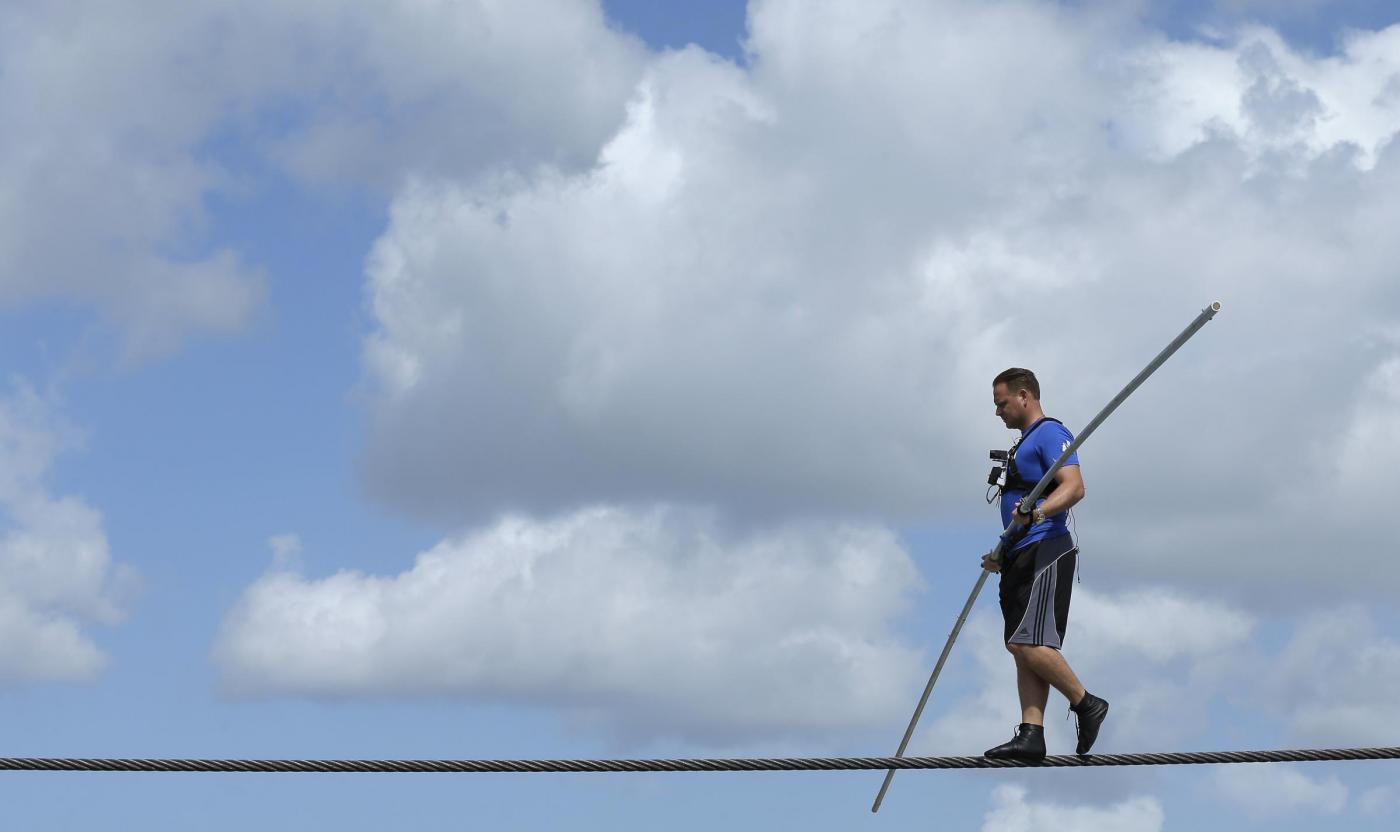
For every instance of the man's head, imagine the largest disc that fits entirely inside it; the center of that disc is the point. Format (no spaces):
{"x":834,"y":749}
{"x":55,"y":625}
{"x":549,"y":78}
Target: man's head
{"x":1016,"y":394}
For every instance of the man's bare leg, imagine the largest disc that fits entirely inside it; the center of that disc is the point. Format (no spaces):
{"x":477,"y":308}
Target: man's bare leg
{"x":1034,"y":692}
{"x":1047,"y":666}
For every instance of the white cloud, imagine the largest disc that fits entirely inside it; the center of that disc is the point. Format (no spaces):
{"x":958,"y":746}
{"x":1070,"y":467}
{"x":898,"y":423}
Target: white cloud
{"x":1155,"y":624}
{"x":1364,"y":445}
{"x":1276,"y":790}
{"x":56,"y":572}
{"x":1149,"y":651}
{"x":725,"y":310}
{"x":783,"y":289}
{"x":1268,"y":97}
{"x":1337,"y":680}
{"x":117,"y":127}
{"x":1332,"y":682}
{"x":100,"y":186}
{"x":447,"y":90}
{"x":1012,"y":812}
{"x":652,"y":623}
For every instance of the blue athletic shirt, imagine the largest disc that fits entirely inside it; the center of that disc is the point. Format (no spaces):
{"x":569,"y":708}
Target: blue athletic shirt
{"x":1042,"y":444}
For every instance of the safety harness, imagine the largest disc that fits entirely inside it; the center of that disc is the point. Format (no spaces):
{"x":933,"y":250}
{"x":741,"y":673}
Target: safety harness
{"x":1013,"y":481}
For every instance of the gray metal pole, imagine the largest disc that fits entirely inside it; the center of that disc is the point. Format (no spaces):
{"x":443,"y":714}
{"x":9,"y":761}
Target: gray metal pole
{"x":1009,"y":535}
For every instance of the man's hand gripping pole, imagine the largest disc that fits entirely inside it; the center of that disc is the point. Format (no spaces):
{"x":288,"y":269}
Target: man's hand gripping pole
{"x":1015,"y":531}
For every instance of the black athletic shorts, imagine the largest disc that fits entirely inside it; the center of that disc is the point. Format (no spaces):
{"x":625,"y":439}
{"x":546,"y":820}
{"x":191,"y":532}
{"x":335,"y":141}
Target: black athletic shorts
{"x":1036,"y":583}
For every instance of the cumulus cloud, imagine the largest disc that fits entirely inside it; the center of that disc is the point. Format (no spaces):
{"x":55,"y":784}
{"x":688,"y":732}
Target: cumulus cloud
{"x":1012,"y":812}
{"x":1337,"y":680}
{"x":1277,"y":790}
{"x":1187,"y":674}
{"x":720,"y":311}
{"x":56,"y":572}
{"x":782,"y":289}
{"x":1267,"y":97}
{"x":1224,"y":682}
{"x":1150,"y":651}
{"x":117,"y":126}
{"x":99,"y":184}
{"x":647,"y":623}
{"x":779,"y":291}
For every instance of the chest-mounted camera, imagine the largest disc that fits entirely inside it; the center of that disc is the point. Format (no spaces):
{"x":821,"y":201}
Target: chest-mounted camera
{"x":1000,"y":459}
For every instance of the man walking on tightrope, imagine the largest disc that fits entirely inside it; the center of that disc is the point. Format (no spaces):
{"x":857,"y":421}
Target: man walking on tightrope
{"x":1037,"y":575}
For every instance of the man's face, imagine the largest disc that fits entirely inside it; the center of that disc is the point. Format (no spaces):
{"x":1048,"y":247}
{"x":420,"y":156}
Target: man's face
{"x":1011,"y":407}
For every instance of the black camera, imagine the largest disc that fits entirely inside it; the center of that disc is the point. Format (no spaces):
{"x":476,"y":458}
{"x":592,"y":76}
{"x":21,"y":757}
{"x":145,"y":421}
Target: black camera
{"x":999,"y":463}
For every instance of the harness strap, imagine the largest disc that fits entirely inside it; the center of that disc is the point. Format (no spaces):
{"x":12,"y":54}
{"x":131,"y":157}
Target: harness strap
{"x":1014,"y":480}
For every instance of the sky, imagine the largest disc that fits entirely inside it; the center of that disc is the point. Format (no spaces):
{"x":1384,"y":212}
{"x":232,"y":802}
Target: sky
{"x":573,"y":379}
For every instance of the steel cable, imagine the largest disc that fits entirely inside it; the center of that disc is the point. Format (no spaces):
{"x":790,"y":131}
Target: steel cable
{"x":677,"y":765}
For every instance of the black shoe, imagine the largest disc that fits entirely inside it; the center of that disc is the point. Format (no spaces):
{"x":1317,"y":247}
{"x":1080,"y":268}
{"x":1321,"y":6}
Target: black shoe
{"x":1028,"y":745}
{"x":1089,"y":715}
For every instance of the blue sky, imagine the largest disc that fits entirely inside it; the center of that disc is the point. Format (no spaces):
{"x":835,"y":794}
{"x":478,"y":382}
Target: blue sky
{"x":709,"y":326}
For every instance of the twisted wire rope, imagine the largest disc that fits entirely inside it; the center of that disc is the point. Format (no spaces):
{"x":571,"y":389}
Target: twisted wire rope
{"x":711,"y":764}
